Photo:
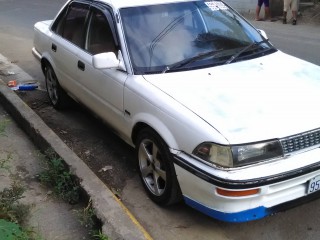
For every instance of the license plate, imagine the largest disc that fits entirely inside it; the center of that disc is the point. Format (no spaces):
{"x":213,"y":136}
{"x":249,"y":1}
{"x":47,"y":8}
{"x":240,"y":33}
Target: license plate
{"x":314,"y":184}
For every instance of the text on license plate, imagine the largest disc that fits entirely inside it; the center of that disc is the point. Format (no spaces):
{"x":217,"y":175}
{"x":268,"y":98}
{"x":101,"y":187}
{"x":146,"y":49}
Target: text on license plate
{"x":314,"y":184}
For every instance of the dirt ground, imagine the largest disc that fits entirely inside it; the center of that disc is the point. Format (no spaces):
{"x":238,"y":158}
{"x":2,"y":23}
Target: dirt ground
{"x":89,"y":138}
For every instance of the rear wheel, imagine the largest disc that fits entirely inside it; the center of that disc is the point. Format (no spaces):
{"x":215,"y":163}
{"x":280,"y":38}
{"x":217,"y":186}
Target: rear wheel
{"x":58,"y":97}
{"x":156,"y":168}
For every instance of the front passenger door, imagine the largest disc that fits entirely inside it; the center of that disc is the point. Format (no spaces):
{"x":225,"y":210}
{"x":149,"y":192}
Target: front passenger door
{"x":103,"y":88}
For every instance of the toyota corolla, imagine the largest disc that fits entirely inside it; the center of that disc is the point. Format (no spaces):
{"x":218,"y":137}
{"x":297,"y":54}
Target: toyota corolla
{"x":219,"y":117}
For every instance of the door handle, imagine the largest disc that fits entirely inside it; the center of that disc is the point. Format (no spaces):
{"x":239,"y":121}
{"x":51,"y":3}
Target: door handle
{"x":81,"y":65}
{"x":54,"y":47}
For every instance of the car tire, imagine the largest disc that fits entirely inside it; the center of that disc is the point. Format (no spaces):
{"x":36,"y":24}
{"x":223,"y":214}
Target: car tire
{"x":156,"y":170}
{"x":58,"y":97}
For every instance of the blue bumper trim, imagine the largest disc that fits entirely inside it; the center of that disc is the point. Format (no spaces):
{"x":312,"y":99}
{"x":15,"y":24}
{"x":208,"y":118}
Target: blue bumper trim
{"x":243,"y":216}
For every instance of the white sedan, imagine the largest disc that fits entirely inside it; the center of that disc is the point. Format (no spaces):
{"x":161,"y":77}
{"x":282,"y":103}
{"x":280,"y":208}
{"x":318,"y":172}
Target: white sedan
{"x":218,"y":116}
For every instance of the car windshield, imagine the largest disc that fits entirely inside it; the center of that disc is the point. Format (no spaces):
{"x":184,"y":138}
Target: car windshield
{"x":188,"y":35}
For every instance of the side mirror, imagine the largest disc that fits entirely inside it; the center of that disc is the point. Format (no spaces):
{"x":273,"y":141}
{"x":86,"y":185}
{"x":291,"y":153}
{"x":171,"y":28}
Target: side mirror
{"x":105,"y":60}
{"x":263,"y":33}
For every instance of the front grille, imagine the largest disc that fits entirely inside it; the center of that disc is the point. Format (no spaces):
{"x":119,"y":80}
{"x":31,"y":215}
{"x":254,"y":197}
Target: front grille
{"x":300,"y":141}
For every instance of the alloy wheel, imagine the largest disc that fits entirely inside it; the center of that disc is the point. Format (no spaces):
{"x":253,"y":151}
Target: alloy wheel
{"x":151,"y":167}
{"x":52,"y":86}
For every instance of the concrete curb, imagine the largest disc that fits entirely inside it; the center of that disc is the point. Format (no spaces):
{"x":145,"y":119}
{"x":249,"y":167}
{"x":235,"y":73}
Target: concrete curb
{"x":117,"y":221}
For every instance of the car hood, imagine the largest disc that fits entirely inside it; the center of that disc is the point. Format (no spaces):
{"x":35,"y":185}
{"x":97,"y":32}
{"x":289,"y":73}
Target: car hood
{"x":265,"y":98}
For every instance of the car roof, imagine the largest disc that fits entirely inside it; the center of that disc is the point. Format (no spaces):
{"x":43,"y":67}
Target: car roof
{"x":131,"y":3}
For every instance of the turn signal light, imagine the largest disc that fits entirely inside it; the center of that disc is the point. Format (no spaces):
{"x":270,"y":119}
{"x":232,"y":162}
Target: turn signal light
{"x":237,"y":193}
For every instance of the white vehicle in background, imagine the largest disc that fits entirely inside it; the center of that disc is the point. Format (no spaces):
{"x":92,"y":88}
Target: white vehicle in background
{"x":219,"y":117}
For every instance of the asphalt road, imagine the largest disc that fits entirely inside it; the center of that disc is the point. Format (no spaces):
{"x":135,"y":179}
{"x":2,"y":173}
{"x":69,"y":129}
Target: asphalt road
{"x":180,"y":222}
{"x":17,"y":18}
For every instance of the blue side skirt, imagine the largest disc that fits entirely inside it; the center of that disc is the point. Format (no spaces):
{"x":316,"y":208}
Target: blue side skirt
{"x":243,"y":216}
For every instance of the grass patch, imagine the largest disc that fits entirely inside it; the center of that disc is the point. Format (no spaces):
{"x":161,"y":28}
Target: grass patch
{"x":101,"y":236}
{"x":10,"y":231}
{"x":12,"y":212}
{"x":88,"y":219}
{"x":10,"y":208}
{"x":3,"y":125}
{"x":57,"y":176}
{"x":5,"y":162}
{"x":13,"y":231}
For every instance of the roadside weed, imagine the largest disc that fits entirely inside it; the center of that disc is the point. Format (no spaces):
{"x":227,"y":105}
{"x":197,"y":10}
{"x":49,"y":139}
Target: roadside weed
{"x":101,"y":236}
{"x":59,"y":178}
{"x":86,"y":216}
{"x":3,"y":125}
{"x":12,"y":212}
{"x":66,"y":186}
{"x":4,"y":161}
{"x":88,"y":219}
{"x":13,"y":231}
{"x":10,"y":208}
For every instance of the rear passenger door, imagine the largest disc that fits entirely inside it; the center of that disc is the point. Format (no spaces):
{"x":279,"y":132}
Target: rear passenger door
{"x":66,"y":41}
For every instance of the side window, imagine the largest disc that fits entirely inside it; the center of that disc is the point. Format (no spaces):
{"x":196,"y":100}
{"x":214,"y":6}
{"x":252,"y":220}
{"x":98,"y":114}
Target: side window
{"x":100,"y":38}
{"x":71,"y":24}
{"x":57,"y":26}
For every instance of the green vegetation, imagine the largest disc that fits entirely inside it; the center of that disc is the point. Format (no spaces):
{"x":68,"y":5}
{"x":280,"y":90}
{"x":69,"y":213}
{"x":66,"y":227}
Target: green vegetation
{"x":10,"y":208}
{"x":4,"y":162}
{"x":57,"y":176}
{"x":66,"y":186}
{"x":101,"y":236}
{"x":88,"y":219}
{"x":3,"y":125}
{"x":12,"y":212}
{"x":13,"y":231}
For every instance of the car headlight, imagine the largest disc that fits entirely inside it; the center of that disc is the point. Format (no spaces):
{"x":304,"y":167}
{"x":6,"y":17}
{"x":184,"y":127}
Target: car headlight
{"x":238,"y":155}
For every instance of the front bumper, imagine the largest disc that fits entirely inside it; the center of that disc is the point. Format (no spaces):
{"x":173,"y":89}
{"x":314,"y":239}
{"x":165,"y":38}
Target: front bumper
{"x":282,"y":184}
{"x":251,"y":214}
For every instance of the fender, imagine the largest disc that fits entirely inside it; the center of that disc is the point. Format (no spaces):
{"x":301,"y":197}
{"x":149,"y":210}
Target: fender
{"x":47,"y":58}
{"x":157,"y":125}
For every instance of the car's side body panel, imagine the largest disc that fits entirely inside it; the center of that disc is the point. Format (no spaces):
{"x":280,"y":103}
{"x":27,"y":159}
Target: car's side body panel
{"x":102,"y":91}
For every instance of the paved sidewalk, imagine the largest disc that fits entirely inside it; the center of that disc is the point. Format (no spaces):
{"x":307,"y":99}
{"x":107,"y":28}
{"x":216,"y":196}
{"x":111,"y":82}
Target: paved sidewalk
{"x":51,"y":218}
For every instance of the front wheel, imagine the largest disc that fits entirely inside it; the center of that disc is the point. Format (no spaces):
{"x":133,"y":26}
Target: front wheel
{"x":156,"y":168}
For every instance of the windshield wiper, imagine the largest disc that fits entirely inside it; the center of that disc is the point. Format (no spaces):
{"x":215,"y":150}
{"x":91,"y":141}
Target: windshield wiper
{"x":191,"y":60}
{"x":254,"y":44}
